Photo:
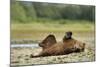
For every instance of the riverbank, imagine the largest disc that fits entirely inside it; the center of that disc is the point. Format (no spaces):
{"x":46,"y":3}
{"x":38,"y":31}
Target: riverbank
{"x":21,"y":56}
{"x":35,"y":32}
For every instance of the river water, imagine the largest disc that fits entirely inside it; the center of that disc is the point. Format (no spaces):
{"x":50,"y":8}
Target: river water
{"x":25,"y":45}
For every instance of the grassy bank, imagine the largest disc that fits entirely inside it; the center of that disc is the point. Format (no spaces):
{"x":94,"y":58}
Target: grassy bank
{"x":39,"y":30}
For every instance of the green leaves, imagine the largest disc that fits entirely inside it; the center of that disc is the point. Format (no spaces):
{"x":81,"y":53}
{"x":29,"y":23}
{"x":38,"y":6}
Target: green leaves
{"x":22,"y":11}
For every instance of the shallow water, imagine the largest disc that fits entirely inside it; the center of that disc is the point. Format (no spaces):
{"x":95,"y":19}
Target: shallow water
{"x":25,"y":45}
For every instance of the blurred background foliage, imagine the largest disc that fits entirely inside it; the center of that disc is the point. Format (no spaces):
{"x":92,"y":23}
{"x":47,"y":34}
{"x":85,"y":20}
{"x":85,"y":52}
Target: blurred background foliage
{"x":24,"y":12}
{"x":35,"y":20}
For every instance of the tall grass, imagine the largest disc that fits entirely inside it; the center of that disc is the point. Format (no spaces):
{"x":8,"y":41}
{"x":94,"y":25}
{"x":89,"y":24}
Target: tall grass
{"x":38,"y":30}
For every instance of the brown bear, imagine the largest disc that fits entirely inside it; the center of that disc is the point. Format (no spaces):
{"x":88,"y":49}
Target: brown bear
{"x":48,"y":41}
{"x":68,"y":35}
{"x":53,"y":48}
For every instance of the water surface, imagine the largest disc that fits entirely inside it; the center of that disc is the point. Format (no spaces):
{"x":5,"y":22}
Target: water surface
{"x":25,"y":45}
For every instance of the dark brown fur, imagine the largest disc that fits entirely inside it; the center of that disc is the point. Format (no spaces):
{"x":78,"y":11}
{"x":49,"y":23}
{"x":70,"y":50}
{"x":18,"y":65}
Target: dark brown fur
{"x":61,"y":48}
{"x":48,"y":41}
{"x":68,"y":35}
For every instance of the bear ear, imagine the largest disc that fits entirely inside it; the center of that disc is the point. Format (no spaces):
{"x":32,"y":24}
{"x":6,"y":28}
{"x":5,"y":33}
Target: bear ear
{"x":50,"y":39}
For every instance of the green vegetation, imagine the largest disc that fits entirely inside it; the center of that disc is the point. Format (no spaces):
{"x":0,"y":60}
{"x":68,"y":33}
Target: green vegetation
{"x":38,"y":31}
{"x":25,"y":12}
{"x":35,"y":20}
